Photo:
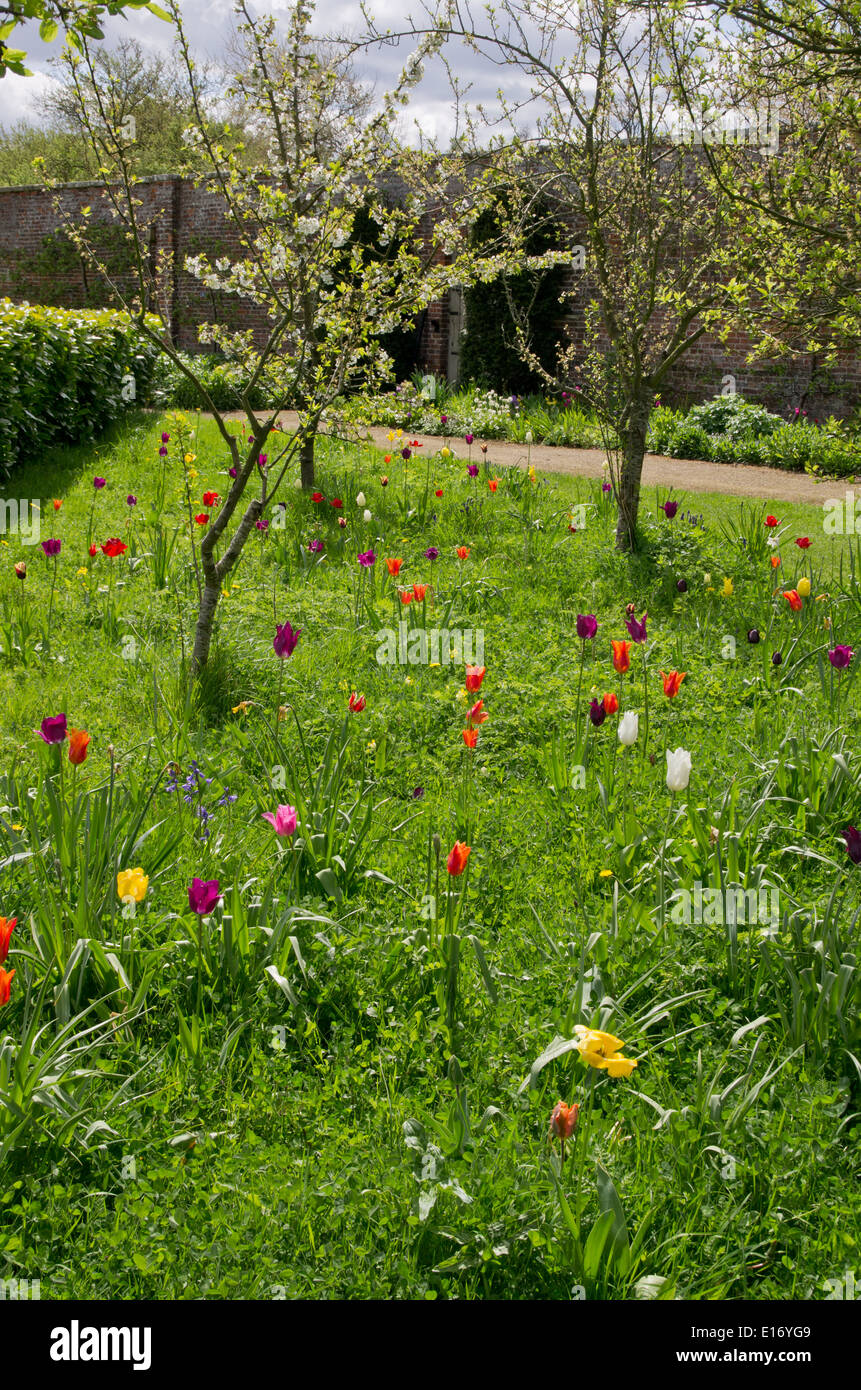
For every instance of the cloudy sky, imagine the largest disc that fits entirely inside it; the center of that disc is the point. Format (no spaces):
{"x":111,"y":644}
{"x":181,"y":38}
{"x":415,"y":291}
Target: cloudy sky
{"x":208,"y":22}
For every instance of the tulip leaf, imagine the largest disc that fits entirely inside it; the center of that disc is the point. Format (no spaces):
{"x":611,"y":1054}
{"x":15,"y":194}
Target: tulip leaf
{"x":557,"y":1048}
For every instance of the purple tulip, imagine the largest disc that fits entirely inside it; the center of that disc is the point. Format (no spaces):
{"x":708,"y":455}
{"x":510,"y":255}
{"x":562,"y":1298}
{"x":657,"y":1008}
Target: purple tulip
{"x":162,"y":451}
{"x":406,"y":453}
{"x":669,"y":509}
{"x":285,"y":640}
{"x":776,"y":659}
{"x":682,"y":586}
{"x":367,"y":558}
{"x":637,"y":628}
{"x":587,"y":626}
{"x":597,"y":713}
{"x":853,"y":844}
{"x":262,"y":460}
{"x":53,"y":728}
{"x":443,"y":419}
{"x":315,"y":547}
{"x":605,"y":487}
{"x":262,"y":524}
{"x":431,"y":553}
{"x":469,"y":438}
{"x":472,"y":470}
{"x":840,"y":657}
{"x":165,"y":439}
{"x":52,"y":547}
{"x":132,"y":500}
{"x":283,"y":821}
{"x":753,"y":636}
{"x":203,"y":896}
{"x":232,"y":472}
{"x":98,"y":484}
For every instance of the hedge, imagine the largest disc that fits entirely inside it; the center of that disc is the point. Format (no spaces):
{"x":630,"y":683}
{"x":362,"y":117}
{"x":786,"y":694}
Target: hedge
{"x":65,"y":374}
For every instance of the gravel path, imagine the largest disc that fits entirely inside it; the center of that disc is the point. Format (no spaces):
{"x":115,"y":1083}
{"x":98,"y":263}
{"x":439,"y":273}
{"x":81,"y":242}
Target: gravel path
{"x":685,"y":475}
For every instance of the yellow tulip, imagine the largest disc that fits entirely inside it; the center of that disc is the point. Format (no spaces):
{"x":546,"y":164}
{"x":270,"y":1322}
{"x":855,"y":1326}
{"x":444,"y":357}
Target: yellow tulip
{"x":727,"y":591}
{"x":803,"y":587}
{"x":132,"y":883}
{"x":601,"y":1050}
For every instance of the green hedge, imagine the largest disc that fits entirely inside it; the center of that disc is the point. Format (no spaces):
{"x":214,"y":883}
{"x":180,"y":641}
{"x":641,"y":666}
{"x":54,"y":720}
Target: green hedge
{"x":732,"y":430}
{"x":65,"y":374}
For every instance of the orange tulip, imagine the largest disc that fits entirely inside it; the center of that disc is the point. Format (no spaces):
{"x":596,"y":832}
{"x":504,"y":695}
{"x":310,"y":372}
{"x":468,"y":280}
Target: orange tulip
{"x":406,"y":596}
{"x":493,"y":484}
{"x":611,"y":703}
{"x":477,"y":714}
{"x":419,"y":591}
{"x":474,"y":677}
{"x":7,"y":976}
{"x":462,"y":552}
{"x":672,"y":683}
{"x":78,"y":740}
{"x":57,"y":504}
{"x":470,"y":738}
{"x":775,"y":561}
{"x":394,"y":567}
{"x":793,"y":598}
{"x":563,"y":1120}
{"x":622,"y":656}
{"x":456,"y":862}
{"x":7,"y":926}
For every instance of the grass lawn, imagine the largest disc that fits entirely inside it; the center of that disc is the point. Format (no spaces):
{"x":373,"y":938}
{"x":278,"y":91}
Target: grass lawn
{"x":339,"y":1083}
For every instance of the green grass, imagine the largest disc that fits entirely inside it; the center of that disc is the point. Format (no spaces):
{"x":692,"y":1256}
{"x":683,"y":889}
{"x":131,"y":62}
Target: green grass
{"x":320,"y":1141}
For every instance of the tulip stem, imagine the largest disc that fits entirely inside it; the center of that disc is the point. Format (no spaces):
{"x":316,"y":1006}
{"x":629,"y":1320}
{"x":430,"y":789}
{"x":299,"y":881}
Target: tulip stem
{"x":645,"y":704}
{"x":663,"y":862}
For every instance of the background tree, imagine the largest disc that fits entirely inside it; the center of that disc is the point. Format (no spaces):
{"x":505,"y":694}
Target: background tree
{"x":77,"y":19}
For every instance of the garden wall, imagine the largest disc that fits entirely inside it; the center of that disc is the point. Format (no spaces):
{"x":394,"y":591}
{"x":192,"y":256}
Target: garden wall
{"x":39,"y":265}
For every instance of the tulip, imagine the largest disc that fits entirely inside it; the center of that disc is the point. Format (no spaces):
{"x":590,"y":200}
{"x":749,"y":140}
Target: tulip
{"x":6,"y":978}
{"x":470,"y":737}
{"x":317,"y":497}
{"x":776,"y":658}
{"x":210,"y":499}
{"x":601,"y":1050}
{"x":394,"y":567}
{"x":636,"y":628}
{"x":78,"y":741}
{"x":438,"y":492}
{"x":336,"y":503}
{"x":803,"y":587}
{"x":98,"y":484}
{"x":202,"y":518}
{"x":53,"y":729}
{"x":727,"y":591}
{"x":419,"y":591}
{"x":610,"y":702}
{"x":853,"y":847}
{"x":771,"y":522}
{"x":840,"y":657}
{"x":775,"y":561}
{"x":131,"y":500}
{"x":356,"y":703}
{"x":563,"y":1122}
{"x":203,"y":895}
{"x":803,"y":542}
{"x":132,"y":883}
{"x":493,"y":484}
{"x":474,"y":676}
{"x":672,"y":683}
{"x":367,"y":558}
{"x":472,"y":470}
{"x":360,"y":499}
{"x":678,"y":769}
{"x":283,"y":821}
{"x":456,"y":862}
{"x":753,"y":636}
{"x":669,"y":509}
{"x":366,"y":516}
{"x":469,"y":438}
{"x":793,"y":599}
{"x":597,"y":713}
{"x":115,"y":547}
{"x":315,"y":547}
{"x":462,"y":552}
{"x":7,"y":926}
{"x":682,"y":586}
{"x":52,"y":547}
{"x":431,"y":553}
{"x":629,"y":728}
{"x":285,"y":640}
{"x":587,"y":626}
{"x":478,"y":714}
{"x":621,"y":656}
{"x":20,"y":570}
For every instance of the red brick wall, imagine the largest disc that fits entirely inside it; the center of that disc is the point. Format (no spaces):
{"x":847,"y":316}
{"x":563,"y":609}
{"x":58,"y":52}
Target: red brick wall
{"x":179,"y":220}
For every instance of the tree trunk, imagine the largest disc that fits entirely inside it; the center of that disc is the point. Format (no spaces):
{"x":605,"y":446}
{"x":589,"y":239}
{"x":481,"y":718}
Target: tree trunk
{"x":306,"y":459}
{"x":205,"y":624}
{"x":633,"y":436}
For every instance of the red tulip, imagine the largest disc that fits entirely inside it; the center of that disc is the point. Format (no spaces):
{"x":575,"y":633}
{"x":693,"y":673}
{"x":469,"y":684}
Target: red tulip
{"x":456,"y":862}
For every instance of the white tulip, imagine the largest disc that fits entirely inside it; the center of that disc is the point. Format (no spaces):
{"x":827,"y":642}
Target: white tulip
{"x":297,"y":482}
{"x":629,"y":728}
{"x":366,"y":516}
{"x":360,"y":500}
{"x":678,"y":769}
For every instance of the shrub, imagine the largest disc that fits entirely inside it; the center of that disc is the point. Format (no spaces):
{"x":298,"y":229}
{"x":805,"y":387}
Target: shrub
{"x":224,"y":381}
{"x":735,"y":417}
{"x":65,"y":374}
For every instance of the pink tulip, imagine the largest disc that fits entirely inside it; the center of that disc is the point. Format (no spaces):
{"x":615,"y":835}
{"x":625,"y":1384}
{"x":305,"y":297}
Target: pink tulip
{"x":283,"y":820}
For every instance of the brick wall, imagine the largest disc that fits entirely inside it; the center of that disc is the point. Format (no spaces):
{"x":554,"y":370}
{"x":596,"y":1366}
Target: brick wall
{"x":39,"y":265}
